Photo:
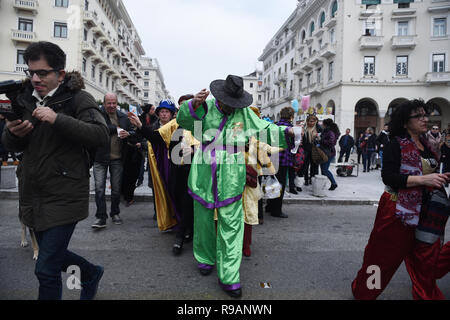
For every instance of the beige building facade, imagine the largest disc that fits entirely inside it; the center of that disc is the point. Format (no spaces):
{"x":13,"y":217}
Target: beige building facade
{"x":358,"y":59}
{"x":253,"y":84}
{"x":98,"y":37}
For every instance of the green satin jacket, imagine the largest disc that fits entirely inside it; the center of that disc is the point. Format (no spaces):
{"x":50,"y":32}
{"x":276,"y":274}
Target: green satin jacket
{"x":218,"y":173}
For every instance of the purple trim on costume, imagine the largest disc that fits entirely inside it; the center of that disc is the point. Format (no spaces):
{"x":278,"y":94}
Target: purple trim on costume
{"x":230,"y":287}
{"x":192,"y":111}
{"x":219,"y":204}
{"x":205,"y":266}
{"x":163,"y":166}
{"x":228,"y":201}
{"x":200,"y":200}
{"x":214,"y":175}
{"x":218,"y":107}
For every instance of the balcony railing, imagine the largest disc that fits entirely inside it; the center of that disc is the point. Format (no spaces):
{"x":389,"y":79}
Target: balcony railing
{"x":327,"y":51}
{"x":399,"y":42}
{"x":315,"y":59}
{"x":26,"y":5}
{"x":438,"y":77}
{"x":21,"y":68}
{"x":370,"y":42}
{"x":306,"y":65}
{"x":90,"y":18}
{"x":23,"y":36}
{"x":331,"y":23}
{"x":298,"y":70}
{"x":88,"y":48}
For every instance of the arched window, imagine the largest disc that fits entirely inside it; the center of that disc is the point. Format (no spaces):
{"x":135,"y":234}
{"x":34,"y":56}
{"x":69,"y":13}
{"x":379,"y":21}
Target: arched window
{"x":322,"y":19}
{"x":434,"y":110}
{"x":303,"y":36}
{"x":334,"y":9}
{"x":311,"y":29}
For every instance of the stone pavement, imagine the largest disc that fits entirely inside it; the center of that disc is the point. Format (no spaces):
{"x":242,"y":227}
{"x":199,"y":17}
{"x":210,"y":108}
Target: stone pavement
{"x":364,"y":189}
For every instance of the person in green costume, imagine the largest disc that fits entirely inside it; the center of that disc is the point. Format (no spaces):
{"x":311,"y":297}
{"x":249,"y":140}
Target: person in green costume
{"x":217,"y":178}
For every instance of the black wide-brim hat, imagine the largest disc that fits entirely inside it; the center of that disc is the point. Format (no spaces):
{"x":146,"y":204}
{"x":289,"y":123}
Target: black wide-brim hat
{"x":231,"y":92}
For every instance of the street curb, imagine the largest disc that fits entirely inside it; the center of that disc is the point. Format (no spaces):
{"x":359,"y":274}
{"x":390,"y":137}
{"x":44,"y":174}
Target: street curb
{"x":14,"y":195}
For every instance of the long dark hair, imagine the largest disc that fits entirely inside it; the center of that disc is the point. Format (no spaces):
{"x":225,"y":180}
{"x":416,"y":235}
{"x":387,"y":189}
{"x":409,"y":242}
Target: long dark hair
{"x":329,"y":124}
{"x":400,"y":117}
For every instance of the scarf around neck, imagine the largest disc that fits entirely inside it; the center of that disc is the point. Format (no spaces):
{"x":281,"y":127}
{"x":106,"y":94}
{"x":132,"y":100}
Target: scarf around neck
{"x":409,"y":203}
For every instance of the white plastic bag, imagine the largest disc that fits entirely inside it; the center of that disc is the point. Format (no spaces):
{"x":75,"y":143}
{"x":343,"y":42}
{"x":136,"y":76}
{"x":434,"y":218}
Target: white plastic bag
{"x":270,"y":187}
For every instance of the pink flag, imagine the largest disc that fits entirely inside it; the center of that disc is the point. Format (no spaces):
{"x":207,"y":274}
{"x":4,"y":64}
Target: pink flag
{"x":305,"y":102}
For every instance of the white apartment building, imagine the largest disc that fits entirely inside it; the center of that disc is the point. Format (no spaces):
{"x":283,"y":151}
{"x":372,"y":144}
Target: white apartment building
{"x":358,"y":59}
{"x":98,"y":37}
{"x":153,"y":82}
{"x":252,"y":84}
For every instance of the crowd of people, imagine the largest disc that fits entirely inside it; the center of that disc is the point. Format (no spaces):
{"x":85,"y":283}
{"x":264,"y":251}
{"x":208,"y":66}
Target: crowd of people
{"x":207,"y":161}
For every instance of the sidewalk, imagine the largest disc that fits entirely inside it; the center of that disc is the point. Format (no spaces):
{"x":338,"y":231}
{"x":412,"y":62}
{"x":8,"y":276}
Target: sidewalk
{"x":366,"y":189}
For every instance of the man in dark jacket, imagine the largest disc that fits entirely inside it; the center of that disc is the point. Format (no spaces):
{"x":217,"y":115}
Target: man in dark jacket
{"x":346,"y":143}
{"x":382,"y":141}
{"x":59,"y":122}
{"x":112,"y":157}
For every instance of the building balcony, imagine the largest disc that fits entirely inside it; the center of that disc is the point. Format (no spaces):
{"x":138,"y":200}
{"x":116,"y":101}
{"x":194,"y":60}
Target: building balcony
{"x":330,"y":23}
{"x":400,"y":42}
{"x":90,"y":19}
{"x":282,"y":77}
{"x":327,"y":51}
{"x":316,"y":88}
{"x":99,"y":31}
{"x":23,"y":36}
{"x":370,"y":12}
{"x":88,"y":48}
{"x":370,"y":42}
{"x":20,"y":68}
{"x":309,"y":40}
{"x":437,"y":77}
{"x":26,"y":5}
{"x":306,"y":66}
{"x":319,"y":32}
{"x":403,"y":12}
{"x":288,"y":96}
{"x":315,"y":59}
{"x":298,"y":70}
{"x":301,"y":46}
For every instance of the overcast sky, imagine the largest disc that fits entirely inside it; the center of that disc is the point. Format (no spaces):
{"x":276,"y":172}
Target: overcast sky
{"x":198,"y":41}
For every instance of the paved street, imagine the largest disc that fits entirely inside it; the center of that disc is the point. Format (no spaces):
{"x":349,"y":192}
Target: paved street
{"x":314,"y":254}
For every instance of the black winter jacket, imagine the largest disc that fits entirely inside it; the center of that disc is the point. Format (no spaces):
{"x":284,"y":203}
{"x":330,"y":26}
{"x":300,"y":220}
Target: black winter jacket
{"x":54,"y":172}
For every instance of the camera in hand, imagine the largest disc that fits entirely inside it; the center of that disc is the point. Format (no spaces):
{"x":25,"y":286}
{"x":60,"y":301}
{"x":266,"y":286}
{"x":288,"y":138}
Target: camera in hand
{"x":9,"y":108}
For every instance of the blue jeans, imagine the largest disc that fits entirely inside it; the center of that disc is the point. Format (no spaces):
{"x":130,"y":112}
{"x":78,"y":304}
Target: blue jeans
{"x":325,"y":168}
{"x":367,"y":159}
{"x":381,"y":158}
{"x":54,"y":258}
{"x":100,"y":172}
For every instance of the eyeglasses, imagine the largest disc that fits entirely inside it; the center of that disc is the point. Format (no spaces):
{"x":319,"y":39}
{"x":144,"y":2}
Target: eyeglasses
{"x":40,"y":73}
{"x":420,"y":116}
{"x":435,"y":128}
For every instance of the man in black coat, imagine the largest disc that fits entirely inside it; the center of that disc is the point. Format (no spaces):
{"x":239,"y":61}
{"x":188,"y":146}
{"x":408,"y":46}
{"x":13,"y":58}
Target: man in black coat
{"x":346,"y":143}
{"x":59,"y":122}
{"x":111,"y":156}
{"x":382,"y":141}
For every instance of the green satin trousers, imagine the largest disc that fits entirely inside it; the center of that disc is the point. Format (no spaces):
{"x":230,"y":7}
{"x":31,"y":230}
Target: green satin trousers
{"x":223,"y":249}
